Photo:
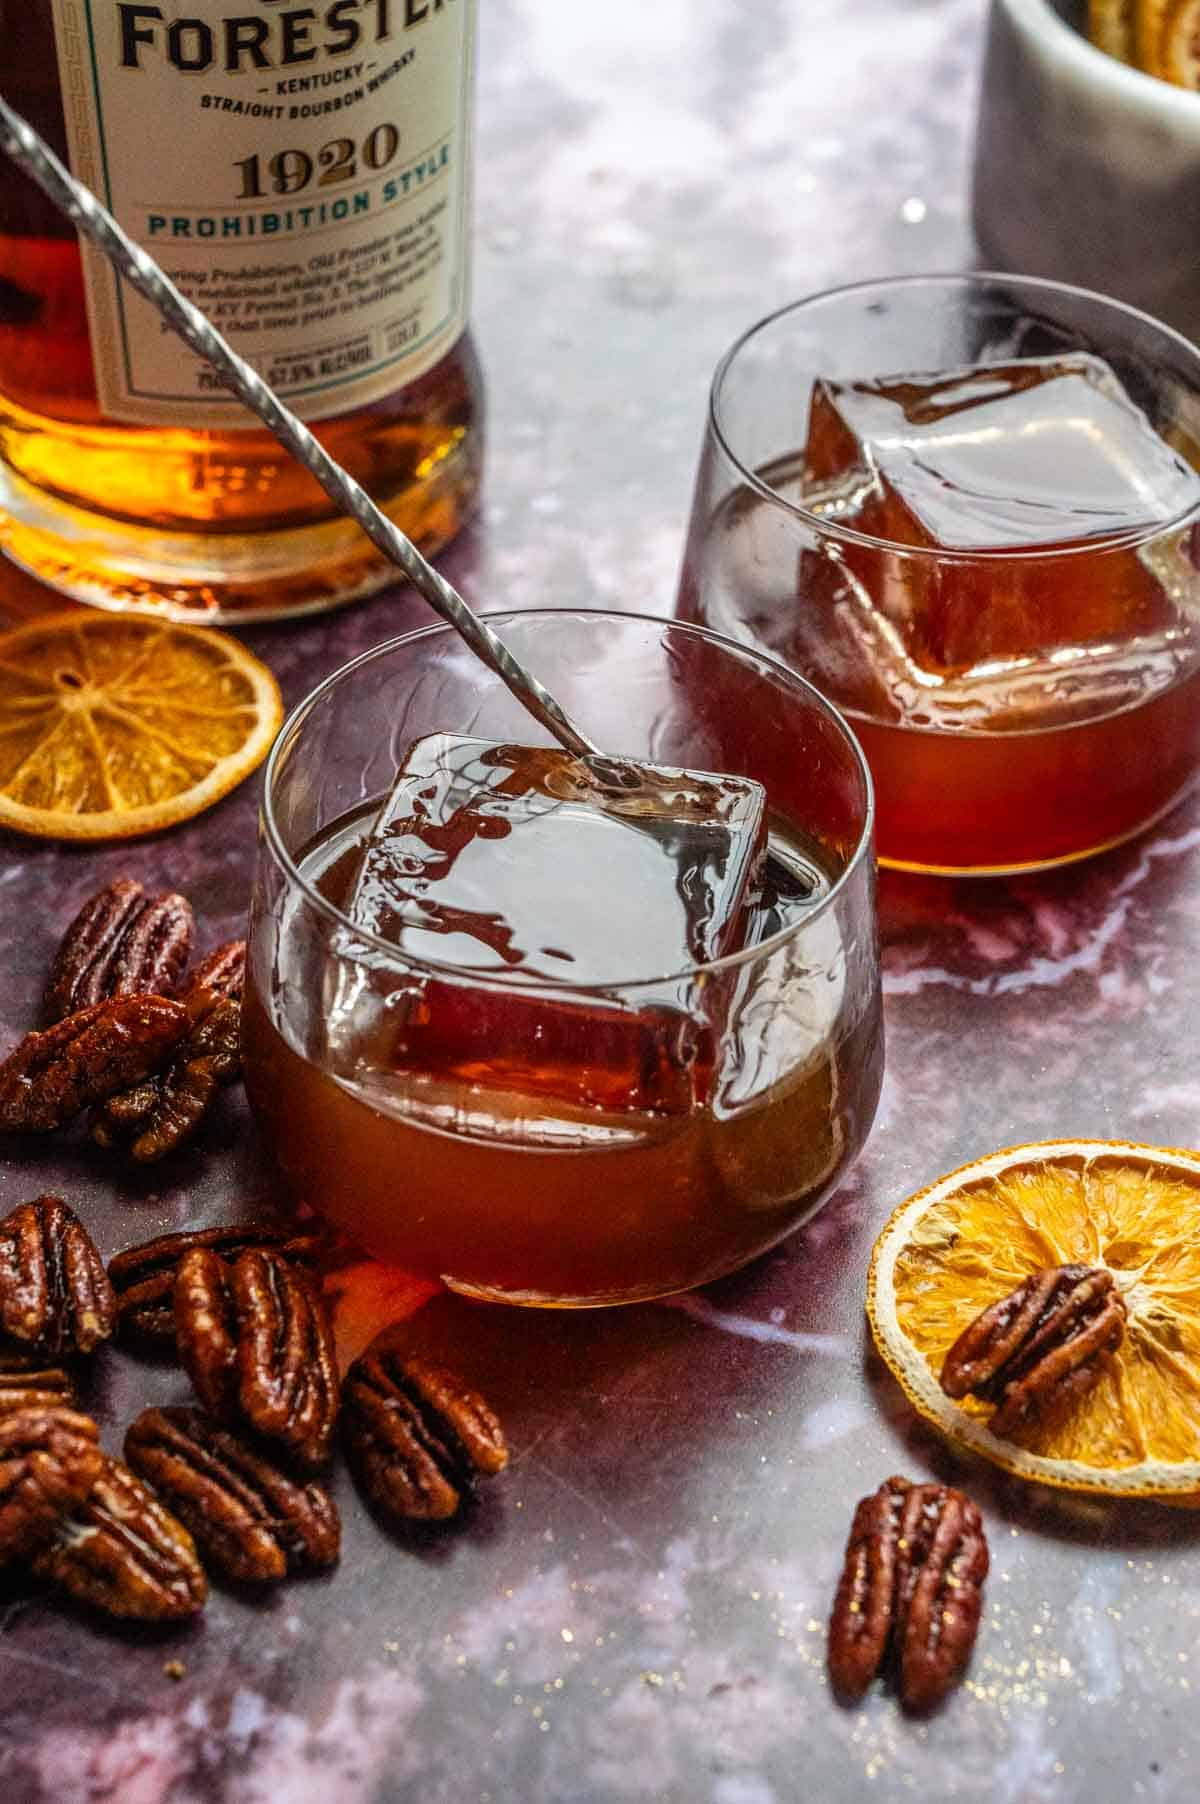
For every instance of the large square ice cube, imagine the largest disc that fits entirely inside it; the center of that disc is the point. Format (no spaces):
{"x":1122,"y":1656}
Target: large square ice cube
{"x":515,"y":862}
{"x":1038,"y":454}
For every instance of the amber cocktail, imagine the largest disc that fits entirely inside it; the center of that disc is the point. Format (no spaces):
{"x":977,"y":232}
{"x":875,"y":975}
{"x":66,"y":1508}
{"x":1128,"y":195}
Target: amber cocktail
{"x":966,"y":508}
{"x":550,"y":1051}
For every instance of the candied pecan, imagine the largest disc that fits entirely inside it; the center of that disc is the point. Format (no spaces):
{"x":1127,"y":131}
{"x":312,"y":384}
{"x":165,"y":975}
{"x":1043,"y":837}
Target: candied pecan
{"x":860,"y":1626}
{"x":144,"y":1276}
{"x":415,"y":1435}
{"x":120,"y":1118}
{"x":49,"y":1461}
{"x":161,"y":1113}
{"x":154,"y":949}
{"x":51,"y":1076}
{"x":1043,"y":1343}
{"x":911,"y":1592}
{"x":256,"y":1340}
{"x":154,"y":1117}
{"x":206,"y":1336}
{"x":249,"y":1520}
{"x":223,"y":971}
{"x":216,"y":1039}
{"x":121,"y":1552}
{"x":943,"y":1563}
{"x":121,"y":943}
{"x":27,"y":1382}
{"x":185,"y":1096}
{"x":88,"y":947}
{"x":54,"y":1291}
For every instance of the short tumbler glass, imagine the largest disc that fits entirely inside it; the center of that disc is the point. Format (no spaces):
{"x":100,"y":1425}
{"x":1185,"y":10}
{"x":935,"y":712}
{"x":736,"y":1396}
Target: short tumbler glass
{"x":1021,"y":703}
{"x":519,"y":1194}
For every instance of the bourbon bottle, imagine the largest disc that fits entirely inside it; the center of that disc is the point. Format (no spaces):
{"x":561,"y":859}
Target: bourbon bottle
{"x":303,"y":175}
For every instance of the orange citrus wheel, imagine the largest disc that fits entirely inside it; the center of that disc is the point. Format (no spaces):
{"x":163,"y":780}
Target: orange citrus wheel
{"x":973,"y":1236}
{"x":1111,"y":27}
{"x":1148,"y":28}
{"x":1179,"y":44}
{"x":112,"y":726}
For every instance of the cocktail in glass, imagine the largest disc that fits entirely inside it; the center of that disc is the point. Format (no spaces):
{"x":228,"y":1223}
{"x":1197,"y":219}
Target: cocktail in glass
{"x":638,"y":1124}
{"x":967,"y":508}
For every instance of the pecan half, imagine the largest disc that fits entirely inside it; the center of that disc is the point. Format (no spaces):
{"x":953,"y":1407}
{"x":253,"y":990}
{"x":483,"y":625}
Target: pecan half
{"x":49,"y":1461}
{"x":256,"y":1341}
{"x":121,"y":943}
{"x":1042,"y":1344}
{"x":911,"y":1592}
{"x":223,"y":971}
{"x":860,"y":1626}
{"x":943,"y":1563}
{"x":416,"y":1436}
{"x":55,"y":1295}
{"x":249,"y":1520}
{"x":121,"y":1552}
{"x":153,"y":1118}
{"x":143,"y":1277}
{"x":215,"y":1041}
{"x":51,"y":1076}
{"x":27,"y":1382}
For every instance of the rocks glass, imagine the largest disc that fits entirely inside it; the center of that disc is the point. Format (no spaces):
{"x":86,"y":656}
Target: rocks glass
{"x":554,"y":1142}
{"x":966,"y":508}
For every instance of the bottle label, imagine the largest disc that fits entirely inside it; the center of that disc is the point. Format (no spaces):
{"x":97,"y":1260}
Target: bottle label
{"x":302,"y":173}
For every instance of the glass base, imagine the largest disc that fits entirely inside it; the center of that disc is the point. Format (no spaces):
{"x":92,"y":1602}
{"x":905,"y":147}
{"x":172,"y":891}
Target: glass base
{"x":914,"y":868}
{"x":536,"y":1299}
{"x":216,"y":577}
{"x":651,"y":1292}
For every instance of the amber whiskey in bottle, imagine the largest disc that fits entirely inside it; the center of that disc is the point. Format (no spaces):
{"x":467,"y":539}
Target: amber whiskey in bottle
{"x":303,"y":174}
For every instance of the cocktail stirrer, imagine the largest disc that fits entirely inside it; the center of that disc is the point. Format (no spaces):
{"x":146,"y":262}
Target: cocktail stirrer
{"x":92,"y":218}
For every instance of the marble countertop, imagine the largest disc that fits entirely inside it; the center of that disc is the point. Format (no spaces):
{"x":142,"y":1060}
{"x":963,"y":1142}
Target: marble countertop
{"x":638,"y":1612}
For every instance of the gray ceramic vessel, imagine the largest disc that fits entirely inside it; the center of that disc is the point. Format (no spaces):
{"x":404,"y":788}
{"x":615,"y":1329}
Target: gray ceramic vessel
{"x":1086,"y":170}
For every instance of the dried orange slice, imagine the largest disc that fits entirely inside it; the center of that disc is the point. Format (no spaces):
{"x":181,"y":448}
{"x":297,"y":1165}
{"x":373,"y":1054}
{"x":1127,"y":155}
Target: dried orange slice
{"x":1111,"y":27}
{"x":1148,"y":26}
{"x":1179,"y":44}
{"x":973,"y":1236}
{"x":112,"y":726}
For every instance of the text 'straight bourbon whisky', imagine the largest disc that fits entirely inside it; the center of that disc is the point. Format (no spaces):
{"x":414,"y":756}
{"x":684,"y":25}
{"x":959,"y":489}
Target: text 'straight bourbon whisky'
{"x":303,"y":175}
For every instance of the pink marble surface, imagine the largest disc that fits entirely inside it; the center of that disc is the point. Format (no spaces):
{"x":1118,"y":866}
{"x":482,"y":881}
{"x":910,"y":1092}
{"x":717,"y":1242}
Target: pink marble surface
{"x":637,"y":1613}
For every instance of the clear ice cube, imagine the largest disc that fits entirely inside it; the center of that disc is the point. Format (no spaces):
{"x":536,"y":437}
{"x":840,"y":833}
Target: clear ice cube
{"x":1044,"y":453}
{"x":856,"y":651}
{"x":1040,"y":452}
{"x":516,"y":862}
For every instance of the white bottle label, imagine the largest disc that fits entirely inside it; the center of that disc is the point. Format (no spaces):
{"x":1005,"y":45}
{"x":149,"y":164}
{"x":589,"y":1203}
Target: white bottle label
{"x":302,"y":173}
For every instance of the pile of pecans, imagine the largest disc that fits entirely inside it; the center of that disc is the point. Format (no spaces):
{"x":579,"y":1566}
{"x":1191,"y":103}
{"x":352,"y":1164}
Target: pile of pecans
{"x":233,"y":1486}
{"x":130,"y":1036}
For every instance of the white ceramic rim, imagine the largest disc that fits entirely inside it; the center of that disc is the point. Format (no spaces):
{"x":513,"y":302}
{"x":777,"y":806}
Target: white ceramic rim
{"x":732,"y":961}
{"x":966,"y":279}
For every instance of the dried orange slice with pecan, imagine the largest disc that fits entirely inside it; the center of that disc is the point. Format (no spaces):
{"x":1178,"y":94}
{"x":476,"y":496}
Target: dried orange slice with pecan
{"x":979,"y":1234}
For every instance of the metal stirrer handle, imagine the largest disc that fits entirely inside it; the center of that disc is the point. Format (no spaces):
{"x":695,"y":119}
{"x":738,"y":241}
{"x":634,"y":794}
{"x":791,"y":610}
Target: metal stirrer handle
{"x":91,"y":217}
